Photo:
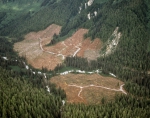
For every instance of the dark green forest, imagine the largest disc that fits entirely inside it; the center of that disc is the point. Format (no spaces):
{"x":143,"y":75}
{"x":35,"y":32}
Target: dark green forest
{"x":23,"y":92}
{"x":20,"y":98}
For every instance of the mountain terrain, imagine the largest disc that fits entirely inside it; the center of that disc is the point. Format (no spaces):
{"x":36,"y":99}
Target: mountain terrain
{"x":75,"y":58}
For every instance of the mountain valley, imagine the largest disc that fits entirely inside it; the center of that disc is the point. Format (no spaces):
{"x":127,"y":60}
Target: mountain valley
{"x":73,"y":58}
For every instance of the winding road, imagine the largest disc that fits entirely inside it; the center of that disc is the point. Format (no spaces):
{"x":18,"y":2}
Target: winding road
{"x":63,"y":56}
{"x":78,"y":49}
{"x":81,"y":88}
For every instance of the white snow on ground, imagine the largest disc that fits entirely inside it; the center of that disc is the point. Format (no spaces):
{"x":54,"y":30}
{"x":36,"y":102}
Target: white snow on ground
{"x":66,"y":72}
{"x":98,"y":71}
{"x":95,"y":13}
{"x":48,"y":89}
{"x":44,"y":75}
{"x":63,"y":102}
{"x":80,"y":8}
{"x":27,"y":67}
{"x":39,"y":72}
{"x":90,"y":2}
{"x":89,"y":16}
{"x":79,"y":71}
{"x":5,"y":58}
{"x":90,"y":72}
{"x":112,"y":74}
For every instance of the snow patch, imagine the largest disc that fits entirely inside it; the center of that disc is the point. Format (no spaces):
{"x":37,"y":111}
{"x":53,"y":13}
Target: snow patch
{"x":112,"y":74}
{"x":63,"y":102}
{"x":89,"y":16}
{"x":66,"y":72}
{"x":79,"y":71}
{"x":90,"y":2}
{"x":97,"y":71}
{"x":27,"y":67}
{"x":5,"y":58}
{"x":39,"y":72}
{"x":90,"y":72}
{"x":48,"y":89}
{"x":80,"y":8}
{"x":95,"y":13}
{"x":44,"y":75}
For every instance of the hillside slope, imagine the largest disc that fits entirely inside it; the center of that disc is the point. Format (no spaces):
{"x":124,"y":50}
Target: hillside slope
{"x":97,"y":42}
{"x":123,"y":51}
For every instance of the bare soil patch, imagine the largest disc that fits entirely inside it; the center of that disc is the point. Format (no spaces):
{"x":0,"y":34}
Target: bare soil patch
{"x":90,"y":94}
{"x":38,"y":55}
{"x":30,"y":48}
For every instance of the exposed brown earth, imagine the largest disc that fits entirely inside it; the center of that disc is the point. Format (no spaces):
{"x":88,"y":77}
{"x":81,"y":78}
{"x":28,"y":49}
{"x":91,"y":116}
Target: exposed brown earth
{"x":30,"y":48}
{"x":90,"y":94}
{"x":40,"y":57}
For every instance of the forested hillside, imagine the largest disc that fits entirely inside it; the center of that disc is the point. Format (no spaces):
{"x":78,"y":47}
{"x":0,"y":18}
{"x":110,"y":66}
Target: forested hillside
{"x":123,"y":107}
{"x":23,"y":92}
{"x":27,"y":92}
{"x":20,"y":98}
{"x":12,"y":10}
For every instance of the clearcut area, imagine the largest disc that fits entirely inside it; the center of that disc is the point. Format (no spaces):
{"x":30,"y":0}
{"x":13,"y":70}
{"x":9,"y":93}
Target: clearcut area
{"x":89,"y":89}
{"x":34,"y":48}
